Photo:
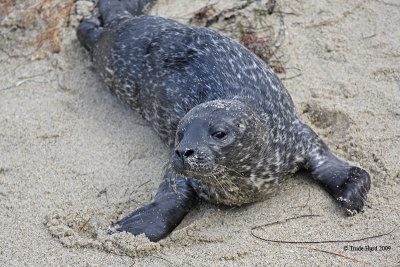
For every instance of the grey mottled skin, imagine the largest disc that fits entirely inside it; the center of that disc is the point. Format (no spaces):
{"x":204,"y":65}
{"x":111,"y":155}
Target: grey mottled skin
{"x":232,"y":127}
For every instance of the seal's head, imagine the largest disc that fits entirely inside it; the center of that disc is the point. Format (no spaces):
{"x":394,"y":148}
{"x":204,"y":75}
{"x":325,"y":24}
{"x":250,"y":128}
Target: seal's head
{"x":218,"y":142}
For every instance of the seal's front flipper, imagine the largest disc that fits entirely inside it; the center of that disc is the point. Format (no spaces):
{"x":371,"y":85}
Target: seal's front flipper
{"x":173,"y":200}
{"x":349,"y":185}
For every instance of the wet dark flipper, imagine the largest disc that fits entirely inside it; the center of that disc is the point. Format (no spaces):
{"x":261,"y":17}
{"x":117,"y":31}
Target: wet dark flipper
{"x":138,"y":7}
{"x":349,"y":185}
{"x":90,"y":30}
{"x":112,"y":10}
{"x":174,"y":198}
{"x":89,"y":33}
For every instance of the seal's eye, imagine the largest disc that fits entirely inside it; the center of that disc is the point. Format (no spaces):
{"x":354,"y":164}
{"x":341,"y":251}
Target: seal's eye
{"x":219,"y":135}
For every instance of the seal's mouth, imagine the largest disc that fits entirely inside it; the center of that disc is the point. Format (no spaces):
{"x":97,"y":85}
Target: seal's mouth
{"x":197,"y":166}
{"x":199,"y":175}
{"x":193,"y":170}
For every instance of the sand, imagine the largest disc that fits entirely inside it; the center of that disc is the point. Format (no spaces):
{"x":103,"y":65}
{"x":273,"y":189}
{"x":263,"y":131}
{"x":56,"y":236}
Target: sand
{"x":73,"y":159}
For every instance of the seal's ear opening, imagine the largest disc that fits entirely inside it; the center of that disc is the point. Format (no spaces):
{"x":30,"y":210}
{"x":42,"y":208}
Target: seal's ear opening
{"x":349,"y":185}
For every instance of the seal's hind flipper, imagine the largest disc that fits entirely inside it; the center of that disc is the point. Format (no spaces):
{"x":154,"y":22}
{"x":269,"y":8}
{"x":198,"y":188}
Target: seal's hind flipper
{"x":89,"y":32}
{"x":173,"y":200}
{"x":111,"y":10}
{"x":138,"y":7}
{"x":349,"y":185}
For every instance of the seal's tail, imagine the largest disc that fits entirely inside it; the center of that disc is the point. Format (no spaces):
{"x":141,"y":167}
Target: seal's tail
{"x":348,"y":184}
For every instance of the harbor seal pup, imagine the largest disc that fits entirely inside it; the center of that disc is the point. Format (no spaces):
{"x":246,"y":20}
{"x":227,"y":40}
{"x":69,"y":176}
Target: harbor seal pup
{"x":232,"y":126}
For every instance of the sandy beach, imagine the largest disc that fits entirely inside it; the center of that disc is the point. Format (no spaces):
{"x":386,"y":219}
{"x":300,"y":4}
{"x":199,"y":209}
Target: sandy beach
{"x":73,"y":159}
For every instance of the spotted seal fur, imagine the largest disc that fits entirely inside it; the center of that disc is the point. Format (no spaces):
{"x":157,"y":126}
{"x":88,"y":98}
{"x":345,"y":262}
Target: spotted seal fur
{"x":232,"y":126}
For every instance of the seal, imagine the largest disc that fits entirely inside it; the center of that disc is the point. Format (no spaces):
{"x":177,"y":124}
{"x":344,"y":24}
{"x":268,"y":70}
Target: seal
{"x":232,"y":127}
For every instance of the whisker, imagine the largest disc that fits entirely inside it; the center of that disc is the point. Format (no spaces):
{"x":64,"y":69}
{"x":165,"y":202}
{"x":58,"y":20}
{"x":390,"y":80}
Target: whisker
{"x":229,"y":169}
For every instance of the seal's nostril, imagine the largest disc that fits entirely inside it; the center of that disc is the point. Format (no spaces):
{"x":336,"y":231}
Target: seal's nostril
{"x":188,"y":153}
{"x":185,"y":154}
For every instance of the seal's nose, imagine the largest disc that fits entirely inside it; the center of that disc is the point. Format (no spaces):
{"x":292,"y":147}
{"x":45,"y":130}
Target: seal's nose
{"x":184,"y":153}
